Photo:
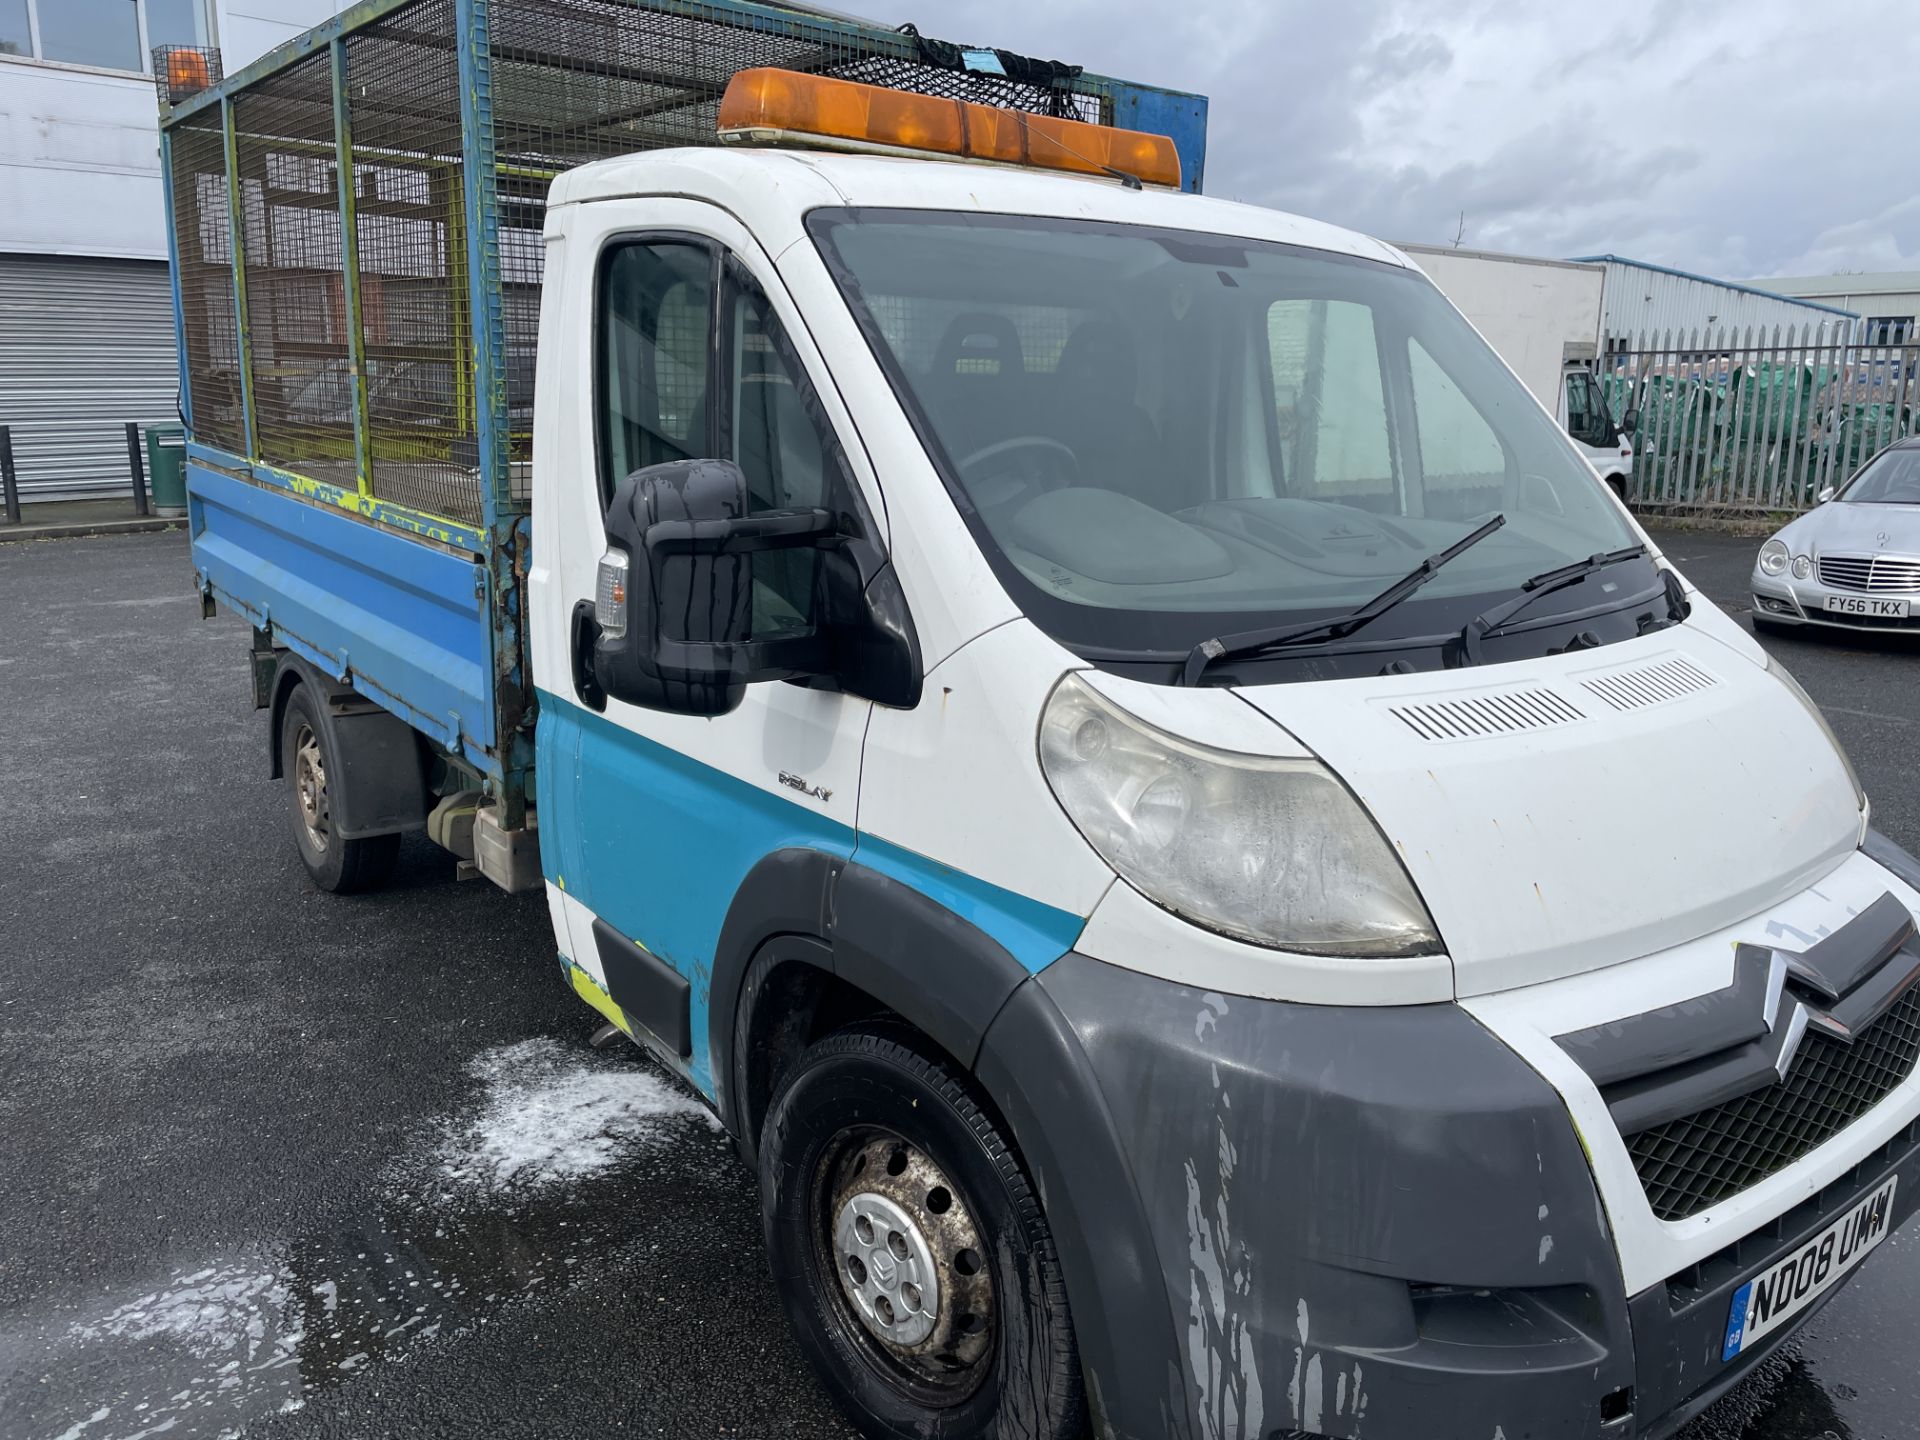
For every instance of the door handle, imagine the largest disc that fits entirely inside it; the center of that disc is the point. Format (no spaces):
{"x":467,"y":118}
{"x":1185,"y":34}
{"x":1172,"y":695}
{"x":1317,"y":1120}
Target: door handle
{"x":584,"y":634}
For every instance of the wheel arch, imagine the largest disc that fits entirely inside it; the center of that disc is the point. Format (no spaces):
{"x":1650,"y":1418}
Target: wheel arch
{"x":383,"y":776}
{"x":813,"y":939}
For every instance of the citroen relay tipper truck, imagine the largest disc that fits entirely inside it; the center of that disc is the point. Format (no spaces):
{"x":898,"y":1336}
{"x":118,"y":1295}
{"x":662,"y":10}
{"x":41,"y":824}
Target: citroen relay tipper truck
{"x":1222,"y":884}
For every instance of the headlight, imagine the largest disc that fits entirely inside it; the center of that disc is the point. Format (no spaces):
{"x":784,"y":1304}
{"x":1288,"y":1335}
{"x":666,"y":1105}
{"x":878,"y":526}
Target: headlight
{"x":1272,"y":851}
{"x":1802,"y":567}
{"x":1773,"y":556}
{"x":1779,"y":671}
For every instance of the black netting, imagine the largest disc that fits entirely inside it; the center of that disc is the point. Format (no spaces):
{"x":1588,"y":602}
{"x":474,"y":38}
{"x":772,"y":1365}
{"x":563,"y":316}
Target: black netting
{"x":204,"y":239}
{"x":579,"y":80}
{"x":1698,"y":1160}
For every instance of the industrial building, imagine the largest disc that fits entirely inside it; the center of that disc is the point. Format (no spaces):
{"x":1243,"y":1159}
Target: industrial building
{"x":1888,"y":302}
{"x":1644,"y":300}
{"x":86,"y":313}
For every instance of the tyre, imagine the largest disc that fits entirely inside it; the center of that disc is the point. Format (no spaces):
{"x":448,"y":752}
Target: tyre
{"x":337,"y":865}
{"x":910,"y":1251}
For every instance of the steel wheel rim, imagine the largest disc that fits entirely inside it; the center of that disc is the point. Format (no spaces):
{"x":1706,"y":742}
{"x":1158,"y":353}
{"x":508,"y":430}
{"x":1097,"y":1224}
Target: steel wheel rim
{"x":310,"y":787}
{"x":935,"y":1341}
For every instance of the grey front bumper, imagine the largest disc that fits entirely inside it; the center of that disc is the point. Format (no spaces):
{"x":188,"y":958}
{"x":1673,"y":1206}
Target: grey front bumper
{"x":1283,"y":1218}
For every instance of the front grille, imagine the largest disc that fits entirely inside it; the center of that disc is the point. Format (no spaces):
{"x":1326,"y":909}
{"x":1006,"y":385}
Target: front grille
{"x":1869,"y":573}
{"x":1698,"y":1160}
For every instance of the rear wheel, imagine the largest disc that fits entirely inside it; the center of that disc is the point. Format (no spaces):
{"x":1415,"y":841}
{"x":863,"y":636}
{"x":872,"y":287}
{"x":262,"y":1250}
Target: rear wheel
{"x":336,"y":864}
{"x":910,"y":1250}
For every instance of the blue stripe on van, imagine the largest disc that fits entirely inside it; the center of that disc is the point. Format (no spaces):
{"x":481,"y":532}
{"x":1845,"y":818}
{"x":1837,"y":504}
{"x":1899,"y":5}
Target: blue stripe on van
{"x":656,"y":844}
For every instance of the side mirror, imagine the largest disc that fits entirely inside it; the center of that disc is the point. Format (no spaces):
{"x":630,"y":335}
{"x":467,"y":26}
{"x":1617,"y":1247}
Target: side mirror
{"x":674,"y":602}
{"x":1825,"y":495}
{"x":1630,"y":421}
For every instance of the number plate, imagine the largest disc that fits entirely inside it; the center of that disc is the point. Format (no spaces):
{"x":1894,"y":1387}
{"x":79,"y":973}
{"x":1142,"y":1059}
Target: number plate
{"x":1868,"y":605}
{"x":1769,"y":1300}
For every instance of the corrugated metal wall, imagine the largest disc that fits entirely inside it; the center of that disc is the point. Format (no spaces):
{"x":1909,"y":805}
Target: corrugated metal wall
{"x":85,"y":346}
{"x":1641,"y":299}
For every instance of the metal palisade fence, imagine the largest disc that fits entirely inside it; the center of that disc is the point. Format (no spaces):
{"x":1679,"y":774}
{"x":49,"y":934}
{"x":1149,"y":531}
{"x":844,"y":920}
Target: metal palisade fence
{"x":1753,"y":419}
{"x":1749,"y":420}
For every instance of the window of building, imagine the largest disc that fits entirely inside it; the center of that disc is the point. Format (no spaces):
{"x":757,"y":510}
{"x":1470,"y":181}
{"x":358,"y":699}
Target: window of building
{"x":1889,"y":329}
{"x":112,"y":34}
{"x":16,"y":35}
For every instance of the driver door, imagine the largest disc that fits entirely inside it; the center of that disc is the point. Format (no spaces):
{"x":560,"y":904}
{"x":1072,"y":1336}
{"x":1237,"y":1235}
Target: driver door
{"x":693,"y":352}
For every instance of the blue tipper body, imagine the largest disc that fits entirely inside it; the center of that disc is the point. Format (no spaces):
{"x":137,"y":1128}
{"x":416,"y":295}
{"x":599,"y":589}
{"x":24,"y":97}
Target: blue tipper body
{"x":409,"y":621}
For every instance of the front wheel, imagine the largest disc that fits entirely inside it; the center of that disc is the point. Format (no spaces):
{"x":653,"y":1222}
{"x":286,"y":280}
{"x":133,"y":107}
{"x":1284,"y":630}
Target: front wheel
{"x":910,"y":1251}
{"x":336,"y":864}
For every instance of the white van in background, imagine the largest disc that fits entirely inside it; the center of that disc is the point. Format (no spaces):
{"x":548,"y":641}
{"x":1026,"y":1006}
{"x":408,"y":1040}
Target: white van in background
{"x":1544,"y":318}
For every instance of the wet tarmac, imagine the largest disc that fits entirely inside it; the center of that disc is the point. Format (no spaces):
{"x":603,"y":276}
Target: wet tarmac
{"x":280,"y":1164}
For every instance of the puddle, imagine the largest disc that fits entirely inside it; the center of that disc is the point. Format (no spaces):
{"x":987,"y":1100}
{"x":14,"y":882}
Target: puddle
{"x":533,"y":1185}
{"x":1782,"y":1400}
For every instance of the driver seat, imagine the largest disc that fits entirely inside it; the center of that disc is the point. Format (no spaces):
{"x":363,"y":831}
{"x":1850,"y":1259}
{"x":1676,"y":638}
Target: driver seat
{"x":1115,"y":441}
{"x":976,"y":390}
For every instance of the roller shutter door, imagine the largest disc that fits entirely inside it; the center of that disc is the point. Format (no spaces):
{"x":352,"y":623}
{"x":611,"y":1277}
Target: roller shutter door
{"x":85,"y":346}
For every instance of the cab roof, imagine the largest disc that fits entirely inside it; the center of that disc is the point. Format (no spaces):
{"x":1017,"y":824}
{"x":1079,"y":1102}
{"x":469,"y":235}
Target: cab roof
{"x":772,"y":189}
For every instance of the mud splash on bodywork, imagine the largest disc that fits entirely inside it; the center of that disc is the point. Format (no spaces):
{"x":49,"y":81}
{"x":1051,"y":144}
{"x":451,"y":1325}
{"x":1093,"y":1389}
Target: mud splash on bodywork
{"x":1219,"y":1338}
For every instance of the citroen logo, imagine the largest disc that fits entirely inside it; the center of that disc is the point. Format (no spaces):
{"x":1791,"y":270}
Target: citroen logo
{"x":1790,"y":1014}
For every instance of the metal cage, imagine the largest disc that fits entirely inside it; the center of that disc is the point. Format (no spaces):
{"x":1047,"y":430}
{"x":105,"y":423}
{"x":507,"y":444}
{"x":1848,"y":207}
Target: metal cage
{"x":382,"y":183}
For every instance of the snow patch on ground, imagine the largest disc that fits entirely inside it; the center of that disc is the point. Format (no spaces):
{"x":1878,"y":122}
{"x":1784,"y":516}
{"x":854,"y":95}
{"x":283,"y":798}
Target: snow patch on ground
{"x":552,"y":1113}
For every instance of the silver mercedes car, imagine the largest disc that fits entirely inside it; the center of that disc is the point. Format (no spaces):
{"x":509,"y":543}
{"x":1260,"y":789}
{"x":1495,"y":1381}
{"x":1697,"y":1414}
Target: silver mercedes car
{"x":1852,"y":562}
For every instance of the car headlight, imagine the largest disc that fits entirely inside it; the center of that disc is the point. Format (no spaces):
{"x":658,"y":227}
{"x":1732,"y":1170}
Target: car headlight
{"x":1780,"y":672}
{"x":1773,"y":556}
{"x":1272,"y":851}
{"x":1802,"y":567}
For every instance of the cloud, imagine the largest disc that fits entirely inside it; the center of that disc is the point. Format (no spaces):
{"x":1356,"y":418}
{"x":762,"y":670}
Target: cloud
{"x":1405,"y":56}
{"x":1731,"y":140}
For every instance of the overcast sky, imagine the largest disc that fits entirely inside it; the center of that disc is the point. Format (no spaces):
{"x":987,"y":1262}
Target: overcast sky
{"x":1740,"y":139}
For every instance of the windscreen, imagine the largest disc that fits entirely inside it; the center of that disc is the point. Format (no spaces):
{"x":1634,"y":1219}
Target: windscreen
{"x":1162,"y":434}
{"x":1892,"y":479}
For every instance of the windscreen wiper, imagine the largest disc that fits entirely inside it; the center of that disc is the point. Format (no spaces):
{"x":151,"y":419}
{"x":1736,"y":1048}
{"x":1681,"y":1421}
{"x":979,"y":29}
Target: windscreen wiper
{"x":1545,"y":583}
{"x":1250,"y":642}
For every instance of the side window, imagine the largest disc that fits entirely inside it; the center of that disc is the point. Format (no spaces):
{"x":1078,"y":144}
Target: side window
{"x":774,"y":437}
{"x":654,"y":327}
{"x":1461,"y":461}
{"x":665,"y":397}
{"x":1330,"y":406}
{"x":782,"y":444}
{"x":1585,"y":419}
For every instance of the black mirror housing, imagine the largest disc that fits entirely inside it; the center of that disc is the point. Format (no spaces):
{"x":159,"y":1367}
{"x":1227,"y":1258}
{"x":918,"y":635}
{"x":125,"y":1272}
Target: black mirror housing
{"x":687,"y":643}
{"x":1630,"y":421}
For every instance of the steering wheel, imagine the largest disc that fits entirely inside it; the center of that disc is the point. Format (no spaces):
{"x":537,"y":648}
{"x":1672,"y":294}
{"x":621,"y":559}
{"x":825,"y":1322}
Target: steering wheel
{"x":1002,"y":472}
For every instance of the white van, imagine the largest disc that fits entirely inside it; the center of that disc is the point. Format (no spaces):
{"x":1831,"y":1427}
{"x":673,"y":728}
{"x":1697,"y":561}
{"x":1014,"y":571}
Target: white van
{"x":1323,"y":928}
{"x":1225,"y":886}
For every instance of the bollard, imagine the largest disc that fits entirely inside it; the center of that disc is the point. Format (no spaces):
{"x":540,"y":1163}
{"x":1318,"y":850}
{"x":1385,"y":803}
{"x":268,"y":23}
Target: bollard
{"x":138,"y":464}
{"x":9,"y":482}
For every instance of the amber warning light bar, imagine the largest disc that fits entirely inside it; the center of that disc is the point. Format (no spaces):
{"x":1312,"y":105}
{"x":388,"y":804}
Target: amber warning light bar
{"x":783,"y":106}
